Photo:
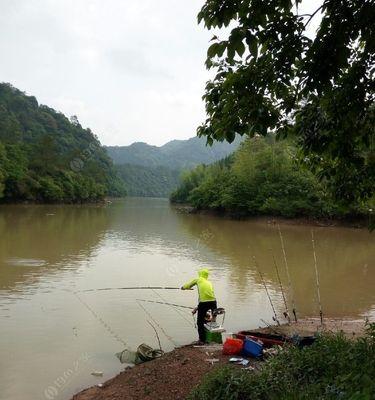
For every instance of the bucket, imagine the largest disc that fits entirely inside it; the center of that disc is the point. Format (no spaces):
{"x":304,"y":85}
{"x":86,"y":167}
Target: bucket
{"x":213,"y":337}
{"x":232,"y":347}
{"x":227,"y":335}
{"x":251,"y":348}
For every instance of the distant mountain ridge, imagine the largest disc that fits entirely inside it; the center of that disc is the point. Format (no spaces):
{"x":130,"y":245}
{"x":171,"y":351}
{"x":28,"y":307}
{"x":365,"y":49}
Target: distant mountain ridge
{"x":152,"y":171}
{"x":176,"y":154}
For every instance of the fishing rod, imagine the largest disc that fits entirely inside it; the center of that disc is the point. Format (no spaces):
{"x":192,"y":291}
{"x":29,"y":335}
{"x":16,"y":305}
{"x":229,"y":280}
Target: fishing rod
{"x":265,"y":287}
{"x":168,"y":304}
{"x":175,"y":308}
{"x":159,"y":326}
{"x":270,"y":327}
{"x":286,"y":313}
{"x":317,"y":277}
{"x":133,"y":288}
{"x":287,"y":273}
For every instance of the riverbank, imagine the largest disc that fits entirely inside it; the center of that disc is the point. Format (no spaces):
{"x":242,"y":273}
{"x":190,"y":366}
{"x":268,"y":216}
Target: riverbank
{"x":175,"y":375}
{"x":358,"y":222}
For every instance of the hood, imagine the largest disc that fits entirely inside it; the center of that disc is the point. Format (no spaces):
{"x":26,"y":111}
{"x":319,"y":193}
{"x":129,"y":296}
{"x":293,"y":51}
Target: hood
{"x":203,"y":273}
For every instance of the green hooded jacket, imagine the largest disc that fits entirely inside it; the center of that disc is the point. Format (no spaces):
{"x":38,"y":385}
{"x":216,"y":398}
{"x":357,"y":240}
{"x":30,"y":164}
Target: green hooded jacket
{"x":205,"y":289}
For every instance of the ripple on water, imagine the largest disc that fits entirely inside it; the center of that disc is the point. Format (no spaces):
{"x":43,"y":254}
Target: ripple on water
{"x":25,"y":262}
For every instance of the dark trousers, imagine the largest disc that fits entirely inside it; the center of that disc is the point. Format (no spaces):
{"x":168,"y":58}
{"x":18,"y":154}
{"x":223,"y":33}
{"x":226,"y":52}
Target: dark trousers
{"x":202,"y":311}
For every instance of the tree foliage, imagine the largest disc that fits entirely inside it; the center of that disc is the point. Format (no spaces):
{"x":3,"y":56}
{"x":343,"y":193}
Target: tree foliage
{"x":144,"y":181}
{"x":44,"y":157}
{"x":261,"y":178}
{"x":272,"y":76}
{"x":334,"y":367}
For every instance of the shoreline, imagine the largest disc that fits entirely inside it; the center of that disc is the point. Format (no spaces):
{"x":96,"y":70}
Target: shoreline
{"x":357,"y":222}
{"x":173,"y":376}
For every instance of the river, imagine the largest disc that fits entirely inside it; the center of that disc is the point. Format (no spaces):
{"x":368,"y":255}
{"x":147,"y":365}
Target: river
{"x":52,"y":339}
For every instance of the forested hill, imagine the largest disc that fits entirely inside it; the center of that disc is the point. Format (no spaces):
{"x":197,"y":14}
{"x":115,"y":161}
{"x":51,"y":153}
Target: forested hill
{"x":149,"y":181}
{"x":46,"y":157}
{"x":155,"y":171}
{"x":177,"y":154}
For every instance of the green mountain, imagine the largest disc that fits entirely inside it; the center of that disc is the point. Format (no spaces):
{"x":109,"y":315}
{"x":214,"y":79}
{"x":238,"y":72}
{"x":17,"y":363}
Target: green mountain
{"x":176,"y":155}
{"x":46,"y":157}
{"x":155,"y":171}
{"x":148,"y":181}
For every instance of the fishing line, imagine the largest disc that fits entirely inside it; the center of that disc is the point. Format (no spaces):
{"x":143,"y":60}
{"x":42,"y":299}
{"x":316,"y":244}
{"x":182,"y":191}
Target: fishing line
{"x":156,"y":323}
{"x":317,"y":277}
{"x":265,"y":287}
{"x":102,"y":322}
{"x":286,"y":314}
{"x":175,"y":309}
{"x":287,"y":273}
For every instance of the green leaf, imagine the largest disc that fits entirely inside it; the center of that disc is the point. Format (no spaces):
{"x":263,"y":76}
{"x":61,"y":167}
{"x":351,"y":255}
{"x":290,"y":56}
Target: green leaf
{"x":212,"y":50}
{"x":240,"y":49}
{"x":253,"y":44}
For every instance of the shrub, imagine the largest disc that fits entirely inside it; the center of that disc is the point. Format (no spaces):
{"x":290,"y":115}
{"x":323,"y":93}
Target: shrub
{"x":334,"y":367}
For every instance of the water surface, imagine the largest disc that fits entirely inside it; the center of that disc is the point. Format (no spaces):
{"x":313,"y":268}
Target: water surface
{"x":52,"y":339}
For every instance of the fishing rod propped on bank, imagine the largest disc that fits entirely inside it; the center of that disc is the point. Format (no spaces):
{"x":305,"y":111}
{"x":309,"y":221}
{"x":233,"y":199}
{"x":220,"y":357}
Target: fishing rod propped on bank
{"x":317,"y":277}
{"x":268,"y":294}
{"x":286,"y":313}
{"x":291,"y":291}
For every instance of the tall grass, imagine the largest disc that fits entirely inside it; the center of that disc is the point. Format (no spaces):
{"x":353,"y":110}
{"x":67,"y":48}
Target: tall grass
{"x":334,"y":367}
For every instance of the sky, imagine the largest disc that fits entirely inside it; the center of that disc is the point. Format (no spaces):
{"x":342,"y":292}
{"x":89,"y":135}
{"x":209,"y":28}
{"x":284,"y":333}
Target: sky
{"x":131,"y":70}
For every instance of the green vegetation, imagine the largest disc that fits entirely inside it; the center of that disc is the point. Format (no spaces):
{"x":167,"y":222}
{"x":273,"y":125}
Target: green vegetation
{"x":332,"y":368}
{"x":148,"y":181}
{"x":45,"y":157}
{"x":271,"y":76}
{"x":175,"y":155}
{"x":153,"y":171}
{"x":261,"y":178}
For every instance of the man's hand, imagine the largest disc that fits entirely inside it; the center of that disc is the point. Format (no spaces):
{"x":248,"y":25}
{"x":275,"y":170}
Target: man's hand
{"x":195,"y":310}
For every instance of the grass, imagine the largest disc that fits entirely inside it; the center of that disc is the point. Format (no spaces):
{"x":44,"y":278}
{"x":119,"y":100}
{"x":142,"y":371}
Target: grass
{"x":334,"y":367}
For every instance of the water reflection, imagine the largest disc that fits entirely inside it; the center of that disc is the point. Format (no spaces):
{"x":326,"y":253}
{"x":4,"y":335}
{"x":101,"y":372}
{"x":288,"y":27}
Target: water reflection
{"x":39,"y":240}
{"x":345,"y":260}
{"x":46,"y":252}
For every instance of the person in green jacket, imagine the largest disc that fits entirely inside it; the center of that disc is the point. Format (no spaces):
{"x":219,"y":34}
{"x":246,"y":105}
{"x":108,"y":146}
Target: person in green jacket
{"x":207,"y":300}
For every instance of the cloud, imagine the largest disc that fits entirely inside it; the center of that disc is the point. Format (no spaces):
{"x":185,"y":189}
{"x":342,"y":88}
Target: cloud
{"x":131,"y":70}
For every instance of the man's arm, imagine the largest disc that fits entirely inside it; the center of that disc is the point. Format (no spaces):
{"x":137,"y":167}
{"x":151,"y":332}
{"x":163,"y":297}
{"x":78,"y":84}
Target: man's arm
{"x":189,"y":285}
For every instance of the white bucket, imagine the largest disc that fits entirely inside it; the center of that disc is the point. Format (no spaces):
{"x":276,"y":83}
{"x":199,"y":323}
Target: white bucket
{"x":227,"y":335}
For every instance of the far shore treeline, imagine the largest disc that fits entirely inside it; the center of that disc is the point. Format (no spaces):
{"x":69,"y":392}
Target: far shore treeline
{"x":265,"y":177}
{"x":45,"y":157}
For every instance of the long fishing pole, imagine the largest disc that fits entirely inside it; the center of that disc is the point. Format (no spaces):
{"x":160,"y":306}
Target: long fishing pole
{"x":287,"y":273}
{"x":265,"y":287}
{"x":160,"y":327}
{"x":317,"y":277}
{"x":133,"y":288}
{"x":168,"y":304}
{"x":286,"y":313}
{"x":174,"y":308}
{"x":270,"y":326}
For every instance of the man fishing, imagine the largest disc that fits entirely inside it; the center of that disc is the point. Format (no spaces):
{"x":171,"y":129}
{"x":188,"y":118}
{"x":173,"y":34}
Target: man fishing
{"x":207,"y":300}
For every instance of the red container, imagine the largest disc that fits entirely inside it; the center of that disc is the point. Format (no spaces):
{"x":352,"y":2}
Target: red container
{"x":232,"y":347}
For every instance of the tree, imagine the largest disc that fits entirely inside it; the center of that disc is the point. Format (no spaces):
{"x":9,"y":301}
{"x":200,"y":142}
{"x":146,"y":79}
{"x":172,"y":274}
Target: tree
{"x":271,"y":76}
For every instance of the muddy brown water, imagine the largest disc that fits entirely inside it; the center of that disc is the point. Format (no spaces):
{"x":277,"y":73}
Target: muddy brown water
{"x":51,"y":340}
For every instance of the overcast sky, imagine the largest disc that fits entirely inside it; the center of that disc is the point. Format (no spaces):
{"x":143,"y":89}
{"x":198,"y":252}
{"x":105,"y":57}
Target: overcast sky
{"x":131,"y":70}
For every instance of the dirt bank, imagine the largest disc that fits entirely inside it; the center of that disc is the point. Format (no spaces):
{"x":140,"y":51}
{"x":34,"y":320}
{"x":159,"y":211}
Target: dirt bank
{"x":169,"y":378}
{"x":173,"y":376}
